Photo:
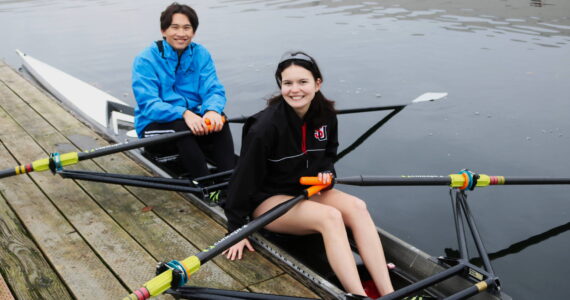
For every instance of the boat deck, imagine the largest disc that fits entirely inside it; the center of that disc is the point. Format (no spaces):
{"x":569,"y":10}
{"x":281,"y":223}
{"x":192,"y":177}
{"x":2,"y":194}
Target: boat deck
{"x":62,"y":239}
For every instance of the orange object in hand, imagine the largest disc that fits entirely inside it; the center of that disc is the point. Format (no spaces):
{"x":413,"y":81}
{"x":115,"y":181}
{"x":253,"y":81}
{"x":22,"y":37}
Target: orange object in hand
{"x":209,"y":123}
{"x":309,"y":180}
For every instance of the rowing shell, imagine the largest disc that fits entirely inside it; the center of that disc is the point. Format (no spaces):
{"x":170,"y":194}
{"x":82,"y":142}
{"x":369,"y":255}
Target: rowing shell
{"x":105,"y":112}
{"x":99,"y":108}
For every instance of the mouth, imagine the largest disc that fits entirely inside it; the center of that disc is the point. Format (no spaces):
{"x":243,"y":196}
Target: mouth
{"x":296,"y":98}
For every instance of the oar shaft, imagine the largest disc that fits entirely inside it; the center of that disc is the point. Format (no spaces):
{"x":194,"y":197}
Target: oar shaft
{"x":162,"y":282}
{"x":454,"y":180}
{"x":395,"y":180}
{"x":97,"y":152}
{"x":338,"y":112}
{"x":8,"y":172}
{"x":384,"y":180}
{"x":255,"y":225}
{"x":535,"y":180}
{"x":138,"y":143}
{"x":368,"y":109}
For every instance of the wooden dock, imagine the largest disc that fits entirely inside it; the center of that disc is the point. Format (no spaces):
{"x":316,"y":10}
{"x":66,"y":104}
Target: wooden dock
{"x":66,"y":239}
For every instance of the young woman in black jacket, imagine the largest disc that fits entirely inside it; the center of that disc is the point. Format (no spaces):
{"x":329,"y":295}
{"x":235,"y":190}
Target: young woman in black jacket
{"x":296,"y":135}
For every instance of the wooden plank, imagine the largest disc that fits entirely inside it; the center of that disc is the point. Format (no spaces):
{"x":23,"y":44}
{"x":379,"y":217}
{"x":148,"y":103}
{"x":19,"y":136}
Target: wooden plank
{"x":192,"y":222}
{"x":24,"y":266}
{"x":84,"y":274}
{"x":283,"y":285}
{"x":201,"y":230}
{"x":124,"y":255}
{"x":5,"y":293}
{"x":156,"y":236}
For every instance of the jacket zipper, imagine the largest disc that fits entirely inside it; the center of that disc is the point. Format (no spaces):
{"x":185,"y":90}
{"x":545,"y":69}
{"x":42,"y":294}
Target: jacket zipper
{"x":304,"y":142}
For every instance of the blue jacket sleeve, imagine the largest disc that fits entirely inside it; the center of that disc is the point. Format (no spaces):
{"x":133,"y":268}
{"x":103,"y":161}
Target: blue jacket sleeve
{"x":211,"y":90}
{"x":146,"y":91}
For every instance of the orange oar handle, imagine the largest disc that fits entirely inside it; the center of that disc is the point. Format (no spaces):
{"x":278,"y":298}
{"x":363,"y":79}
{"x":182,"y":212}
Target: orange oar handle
{"x":309,"y":180}
{"x":315,"y":189}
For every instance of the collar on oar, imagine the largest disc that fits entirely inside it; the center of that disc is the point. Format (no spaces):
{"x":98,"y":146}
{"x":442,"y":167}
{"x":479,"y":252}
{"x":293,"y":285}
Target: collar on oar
{"x":466,"y":179}
{"x":55,"y":162}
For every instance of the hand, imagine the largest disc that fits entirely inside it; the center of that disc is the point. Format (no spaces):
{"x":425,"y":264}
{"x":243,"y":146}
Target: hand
{"x":195,"y":123}
{"x":326,"y":177}
{"x":236,"y":250}
{"x":216,"y":121}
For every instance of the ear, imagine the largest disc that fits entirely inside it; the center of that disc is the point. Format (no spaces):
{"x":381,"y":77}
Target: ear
{"x":318,"y":83}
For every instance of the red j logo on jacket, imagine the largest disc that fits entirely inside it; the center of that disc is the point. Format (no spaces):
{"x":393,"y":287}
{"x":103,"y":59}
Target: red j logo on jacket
{"x":321,"y":133}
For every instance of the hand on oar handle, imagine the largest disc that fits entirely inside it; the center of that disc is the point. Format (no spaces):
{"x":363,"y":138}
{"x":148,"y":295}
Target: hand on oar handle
{"x":316,"y":180}
{"x":214,"y":121}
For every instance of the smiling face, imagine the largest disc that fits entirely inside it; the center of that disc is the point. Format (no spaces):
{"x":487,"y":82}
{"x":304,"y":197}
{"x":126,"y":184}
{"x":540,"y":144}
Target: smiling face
{"x":180,"y":32}
{"x":298,"y":88}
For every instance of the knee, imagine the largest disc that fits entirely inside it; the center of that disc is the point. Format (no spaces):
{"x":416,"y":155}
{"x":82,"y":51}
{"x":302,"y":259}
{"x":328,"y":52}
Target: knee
{"x":357,"y":207}
{"x":330,"y":218}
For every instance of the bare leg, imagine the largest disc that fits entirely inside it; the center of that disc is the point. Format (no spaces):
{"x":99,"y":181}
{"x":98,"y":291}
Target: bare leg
{"x":358,"y":219}
{"x":311,"y":217}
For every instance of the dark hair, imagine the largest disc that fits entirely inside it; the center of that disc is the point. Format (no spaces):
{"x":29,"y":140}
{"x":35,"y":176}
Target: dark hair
{"x":175,"y":8}
{"x":321,"y":108}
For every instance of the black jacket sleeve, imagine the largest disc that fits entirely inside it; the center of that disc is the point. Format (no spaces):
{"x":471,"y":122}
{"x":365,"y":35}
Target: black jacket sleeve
{"x":247,"y":177}
{"x":332,"y":145}
{"x":332,"y":148}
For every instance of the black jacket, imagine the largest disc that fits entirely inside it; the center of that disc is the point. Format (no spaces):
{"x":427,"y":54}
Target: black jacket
{"x":277,"y":149}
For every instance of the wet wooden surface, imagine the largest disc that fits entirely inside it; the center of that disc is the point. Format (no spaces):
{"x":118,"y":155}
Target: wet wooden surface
{"x":65,"y":239}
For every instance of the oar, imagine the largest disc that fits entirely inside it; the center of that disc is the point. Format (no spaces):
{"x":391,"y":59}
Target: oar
{"x":162,"y":282}
{"x":462,"y":180}
{"x":71,"y":158}
{"x":395,"y":110}
{"x":59,"y":160}
{"x":430,"y":96}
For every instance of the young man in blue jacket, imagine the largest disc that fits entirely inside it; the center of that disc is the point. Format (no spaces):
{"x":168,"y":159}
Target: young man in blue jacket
{"x":176,"y":88}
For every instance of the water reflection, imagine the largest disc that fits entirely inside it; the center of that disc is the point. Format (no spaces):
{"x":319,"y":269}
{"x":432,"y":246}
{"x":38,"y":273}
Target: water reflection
{"x":516,"y":247}
{"x":538,"y":3}
{"x":495,"y":18}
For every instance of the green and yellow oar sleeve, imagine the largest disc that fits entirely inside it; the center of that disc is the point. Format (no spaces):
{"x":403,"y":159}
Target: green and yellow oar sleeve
{"x":162,"y":282}
{"x":44,"y":164}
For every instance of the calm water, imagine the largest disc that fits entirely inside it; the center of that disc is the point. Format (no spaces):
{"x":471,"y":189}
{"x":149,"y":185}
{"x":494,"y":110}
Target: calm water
{"x":505,"y":65}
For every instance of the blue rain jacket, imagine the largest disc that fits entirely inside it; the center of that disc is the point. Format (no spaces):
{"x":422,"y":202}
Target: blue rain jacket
{"x":166,"y":85}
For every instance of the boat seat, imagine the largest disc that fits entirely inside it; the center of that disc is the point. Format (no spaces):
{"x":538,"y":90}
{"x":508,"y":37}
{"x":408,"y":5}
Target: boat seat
{"x":166,"y":156}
